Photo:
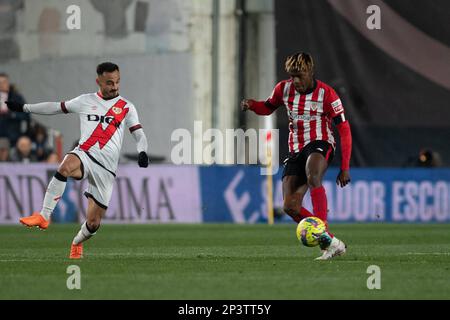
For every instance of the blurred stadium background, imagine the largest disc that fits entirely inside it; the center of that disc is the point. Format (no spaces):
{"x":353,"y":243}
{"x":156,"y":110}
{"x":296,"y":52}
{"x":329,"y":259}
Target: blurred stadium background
{"x":184,"y":61}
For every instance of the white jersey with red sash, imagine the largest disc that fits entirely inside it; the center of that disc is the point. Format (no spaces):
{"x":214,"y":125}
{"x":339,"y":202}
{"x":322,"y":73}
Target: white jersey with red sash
{"x":102,"y":124}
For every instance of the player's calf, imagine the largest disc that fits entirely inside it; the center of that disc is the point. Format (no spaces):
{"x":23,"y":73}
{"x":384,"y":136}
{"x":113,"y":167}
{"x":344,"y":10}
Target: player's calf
{"x":292,"y":207}
{"x":294,"y":214}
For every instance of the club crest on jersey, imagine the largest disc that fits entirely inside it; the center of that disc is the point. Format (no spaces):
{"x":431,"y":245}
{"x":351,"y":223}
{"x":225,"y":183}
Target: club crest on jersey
{"x":314,"y":106}
{"x":117,"y":110}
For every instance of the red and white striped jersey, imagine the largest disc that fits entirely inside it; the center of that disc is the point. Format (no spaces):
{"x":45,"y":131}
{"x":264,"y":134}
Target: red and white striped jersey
{"x":102,"y":124}
{"x":310,"y":114}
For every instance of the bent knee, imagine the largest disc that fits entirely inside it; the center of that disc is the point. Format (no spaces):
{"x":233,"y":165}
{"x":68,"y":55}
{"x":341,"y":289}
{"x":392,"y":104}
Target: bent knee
{"x":314,"y":180}
{"x":65,"y":170}
{"x":70,"y":165}
{"x":93,"y":225}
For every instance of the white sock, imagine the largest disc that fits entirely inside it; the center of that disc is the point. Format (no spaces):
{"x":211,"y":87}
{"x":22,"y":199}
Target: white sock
{"x":334,"y":241}
{"x":54,"y":192}
{"x":83,"y":235}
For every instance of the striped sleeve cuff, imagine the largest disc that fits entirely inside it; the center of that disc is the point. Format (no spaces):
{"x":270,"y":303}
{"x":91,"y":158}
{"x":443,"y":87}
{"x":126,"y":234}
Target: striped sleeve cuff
{"x":63,"y":107}
{"x":134,"y":128}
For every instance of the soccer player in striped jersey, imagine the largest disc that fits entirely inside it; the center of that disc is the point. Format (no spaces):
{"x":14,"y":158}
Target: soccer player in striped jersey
{"x":312,"y":106}
{"x":103,"y":118}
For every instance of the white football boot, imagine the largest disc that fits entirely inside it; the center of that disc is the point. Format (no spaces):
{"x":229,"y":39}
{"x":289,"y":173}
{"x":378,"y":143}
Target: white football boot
{"x":336,"y":248}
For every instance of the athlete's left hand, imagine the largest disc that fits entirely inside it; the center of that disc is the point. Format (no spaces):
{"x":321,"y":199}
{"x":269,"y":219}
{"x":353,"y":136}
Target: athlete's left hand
{"x":343,"y":178}
{"x":143,"y":159}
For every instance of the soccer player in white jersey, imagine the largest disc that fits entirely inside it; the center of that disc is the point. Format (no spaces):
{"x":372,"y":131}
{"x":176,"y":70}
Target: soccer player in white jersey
{"x":312,"y":106}
{"x":103,"y":118}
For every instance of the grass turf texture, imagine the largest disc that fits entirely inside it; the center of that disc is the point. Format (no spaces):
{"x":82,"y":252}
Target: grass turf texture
{"x":224,"y":262}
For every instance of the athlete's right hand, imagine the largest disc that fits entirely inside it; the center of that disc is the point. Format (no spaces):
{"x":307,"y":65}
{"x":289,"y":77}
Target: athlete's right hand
{"x":14,"y":106}
{"x":246,"y":104}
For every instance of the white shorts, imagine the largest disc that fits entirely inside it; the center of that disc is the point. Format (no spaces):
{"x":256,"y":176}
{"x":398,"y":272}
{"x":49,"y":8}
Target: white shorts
{"x":101,"y":181}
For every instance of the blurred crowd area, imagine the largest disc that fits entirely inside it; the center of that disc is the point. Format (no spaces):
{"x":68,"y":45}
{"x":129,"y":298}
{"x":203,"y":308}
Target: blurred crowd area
{"x":22,"y":139}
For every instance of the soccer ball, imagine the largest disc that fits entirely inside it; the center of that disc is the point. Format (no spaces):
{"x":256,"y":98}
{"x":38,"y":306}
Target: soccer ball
{"x":309,"y":231}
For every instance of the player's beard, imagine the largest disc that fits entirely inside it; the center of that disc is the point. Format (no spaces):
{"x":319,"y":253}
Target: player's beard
{"x":111,"y":95}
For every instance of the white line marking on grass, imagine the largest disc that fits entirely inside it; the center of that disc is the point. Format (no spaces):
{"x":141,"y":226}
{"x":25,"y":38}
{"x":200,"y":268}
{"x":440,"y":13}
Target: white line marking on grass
{"x":21,"y":260}
{"x":425,"y":253}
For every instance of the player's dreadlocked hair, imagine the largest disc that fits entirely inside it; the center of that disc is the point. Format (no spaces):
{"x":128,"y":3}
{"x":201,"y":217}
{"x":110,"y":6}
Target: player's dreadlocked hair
{"x":299,"y":62}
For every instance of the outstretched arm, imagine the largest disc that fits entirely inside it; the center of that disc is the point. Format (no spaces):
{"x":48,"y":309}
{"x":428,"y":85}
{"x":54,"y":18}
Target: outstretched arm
{"x":265,"y":108}
{"x":132,"y":122}
{"x":46,"y":108}
{"x":141,"y":140}
{"x":259,"y":107}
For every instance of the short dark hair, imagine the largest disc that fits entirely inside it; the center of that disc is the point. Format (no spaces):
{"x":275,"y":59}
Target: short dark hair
{"x":4,"y":75}
{"x":107,"y":67}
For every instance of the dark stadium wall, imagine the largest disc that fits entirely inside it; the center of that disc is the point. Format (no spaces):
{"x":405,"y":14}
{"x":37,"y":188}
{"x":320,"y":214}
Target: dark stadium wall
{"x":394,"y":110}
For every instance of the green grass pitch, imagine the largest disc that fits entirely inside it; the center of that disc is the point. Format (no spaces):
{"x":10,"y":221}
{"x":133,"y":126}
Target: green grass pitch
{"x":224,"y":261}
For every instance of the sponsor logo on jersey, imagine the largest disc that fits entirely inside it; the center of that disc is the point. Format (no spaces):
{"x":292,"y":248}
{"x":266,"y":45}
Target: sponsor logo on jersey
{"x":303,"y":117}
{"x":102,"y":119}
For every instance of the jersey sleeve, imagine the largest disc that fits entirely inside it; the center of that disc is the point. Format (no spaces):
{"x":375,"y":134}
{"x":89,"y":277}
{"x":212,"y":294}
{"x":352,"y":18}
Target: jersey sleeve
{"x":333,"y":104}
{"x":276,"y":98}
{"x":73,"y":106}
{"x":132,"y":120}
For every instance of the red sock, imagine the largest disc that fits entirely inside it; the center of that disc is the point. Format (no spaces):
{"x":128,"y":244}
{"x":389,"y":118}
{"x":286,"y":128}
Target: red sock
{"x":319,"y":202}
{"x":320,"y":205}
{"x":304,"y":213}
